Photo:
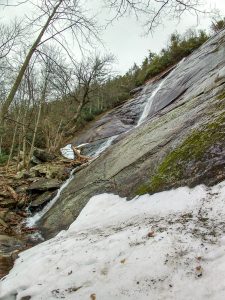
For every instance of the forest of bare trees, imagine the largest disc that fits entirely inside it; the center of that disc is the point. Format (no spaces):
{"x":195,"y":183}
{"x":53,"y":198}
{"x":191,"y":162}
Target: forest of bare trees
{"x":46,"y":93}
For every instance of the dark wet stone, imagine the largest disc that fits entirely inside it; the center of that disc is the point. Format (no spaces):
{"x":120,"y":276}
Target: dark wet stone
{"x":44,"y":184}
{"x":43,"y":155}
{"x":42,"y":200}
{"x":8,"y":203}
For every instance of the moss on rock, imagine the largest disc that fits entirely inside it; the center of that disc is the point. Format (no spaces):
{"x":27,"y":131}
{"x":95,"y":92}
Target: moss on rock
{"x":221,"y":96}
{"x":198,"y":145}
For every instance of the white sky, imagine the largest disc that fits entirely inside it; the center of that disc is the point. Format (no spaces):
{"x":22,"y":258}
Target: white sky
{"x":127,"y":41}
{"x":125,"y":37}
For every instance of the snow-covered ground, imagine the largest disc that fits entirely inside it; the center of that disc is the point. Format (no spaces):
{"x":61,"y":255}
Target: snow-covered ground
{"x":170,"y":245}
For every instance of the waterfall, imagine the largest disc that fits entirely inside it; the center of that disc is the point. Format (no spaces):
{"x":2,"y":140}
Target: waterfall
{"x":67,"y":150}
{"x":105,"y":145}
{"x":148,"y":105}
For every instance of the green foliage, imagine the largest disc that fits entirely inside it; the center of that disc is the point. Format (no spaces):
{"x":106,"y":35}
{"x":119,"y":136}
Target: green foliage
{"x":88,"y":114}
{"x":178,"y":48}
{"x":217,"y":25}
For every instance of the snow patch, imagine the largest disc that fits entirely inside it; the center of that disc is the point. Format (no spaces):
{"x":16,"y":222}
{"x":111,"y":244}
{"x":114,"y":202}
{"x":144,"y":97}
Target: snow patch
{"x":67,"y":151}
{"x":169,"y":245}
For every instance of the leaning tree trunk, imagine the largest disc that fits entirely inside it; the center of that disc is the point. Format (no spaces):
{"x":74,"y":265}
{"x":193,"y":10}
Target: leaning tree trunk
{"x":9,"y":99}
{"x":72,"y":124}
{"x":34,"y":136}
{"x":13,"y":143}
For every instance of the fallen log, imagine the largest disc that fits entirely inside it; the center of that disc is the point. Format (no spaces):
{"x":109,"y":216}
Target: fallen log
{"x":78,"y":156}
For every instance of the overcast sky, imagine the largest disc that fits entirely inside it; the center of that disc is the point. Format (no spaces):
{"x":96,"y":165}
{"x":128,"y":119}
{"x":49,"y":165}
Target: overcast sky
{"x":125,"y":38}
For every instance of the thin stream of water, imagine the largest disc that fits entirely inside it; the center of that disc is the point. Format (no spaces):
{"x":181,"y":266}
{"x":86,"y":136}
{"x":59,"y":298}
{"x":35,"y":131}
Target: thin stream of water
{"x":148,"y":105}
{"x":105,"y":145}
{"x":30,"y":222}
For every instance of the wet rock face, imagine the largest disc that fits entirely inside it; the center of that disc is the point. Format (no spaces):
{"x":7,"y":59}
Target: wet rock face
{"x":181,"y":143}
{"x":196,"y":74}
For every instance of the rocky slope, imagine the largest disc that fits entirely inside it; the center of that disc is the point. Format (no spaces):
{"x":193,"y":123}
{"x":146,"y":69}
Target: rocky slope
{"x":181,"y":142}
{"x":23,"y":193}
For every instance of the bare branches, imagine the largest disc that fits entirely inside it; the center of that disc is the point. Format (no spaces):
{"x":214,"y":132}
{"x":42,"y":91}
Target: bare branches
{"x":6,"y":3}
{"x":56,"y":69}
{"x":8,"y":37}
{"x":89,"y":75}
{"x":56,"y":17}
{"x":153,"y":11}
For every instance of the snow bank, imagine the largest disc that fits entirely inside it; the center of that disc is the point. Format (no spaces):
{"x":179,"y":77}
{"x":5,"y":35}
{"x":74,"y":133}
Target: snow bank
{"x":167,"y":246}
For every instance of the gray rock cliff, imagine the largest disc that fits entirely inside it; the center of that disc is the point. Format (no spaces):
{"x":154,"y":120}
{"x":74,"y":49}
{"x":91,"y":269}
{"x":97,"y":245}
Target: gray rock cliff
{"x":182,"y":142}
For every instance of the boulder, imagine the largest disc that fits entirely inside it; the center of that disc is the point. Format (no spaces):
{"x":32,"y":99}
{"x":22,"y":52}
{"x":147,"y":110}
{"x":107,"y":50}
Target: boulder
{"x":9,"y":247}
{"x":49,"y":170}
{"x":44,"y":184}
{"x":8,"y":244}
{"x":41,"y":200}
{"x":43,"y":156}
{"x":22,"y":174}
{"x":35,"y":160}
{"x":21,"y":188}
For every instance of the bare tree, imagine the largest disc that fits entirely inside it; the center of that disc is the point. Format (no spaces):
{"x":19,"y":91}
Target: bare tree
{"x":88,"y":75}
{"x":55,"y":17}
{"x":12,"y":2}
{"x":9,"y":35}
